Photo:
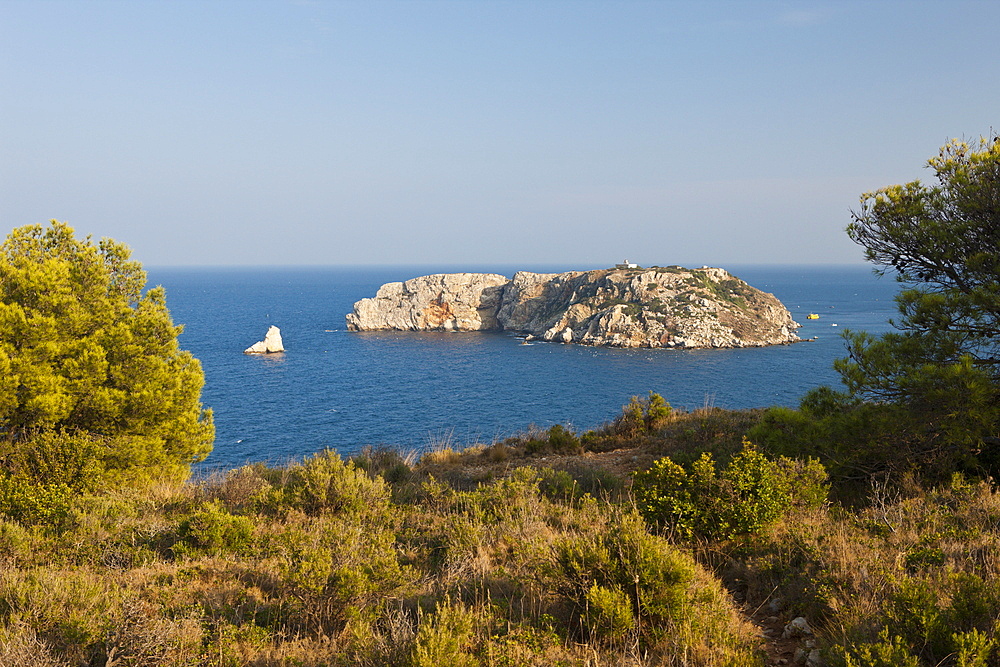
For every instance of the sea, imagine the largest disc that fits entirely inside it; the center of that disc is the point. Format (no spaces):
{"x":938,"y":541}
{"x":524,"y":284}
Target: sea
{"x":417,"y":391}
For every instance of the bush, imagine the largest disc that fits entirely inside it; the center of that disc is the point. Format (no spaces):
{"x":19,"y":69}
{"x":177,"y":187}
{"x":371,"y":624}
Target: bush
{"x":32,"y":503}
{"x":337,"y":567}
{"x":384,"y":461}
{"x":323,"y":483}
{"x":213,"y":530}
{"x":610,"y":615}
{"x":15,"y":543}
{"x":246,"y":488}
{"x":886,"y":652}
{"x":936,"y":621}
{"x":558,"y":484}
{"x":642,"y":416}
{"x":748,"y":494}
{"x":563,"y":441}
{"x":857,"y":440}
{"x":973,"y":649}
{"x":557,"y":439}
{"x":58,"y":457}
{"x":445,"y":638}
{"x":922,"y":557}
{"x":619,"y":577}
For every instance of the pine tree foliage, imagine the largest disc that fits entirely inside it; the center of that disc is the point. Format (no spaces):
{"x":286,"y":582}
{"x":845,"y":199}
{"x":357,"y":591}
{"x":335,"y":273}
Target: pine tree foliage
{"x":942,"y":242}
{"x":87,"y":358}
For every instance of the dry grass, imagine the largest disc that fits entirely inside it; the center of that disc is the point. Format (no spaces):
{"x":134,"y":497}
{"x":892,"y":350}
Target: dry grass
{"x":337,"y":571}
{"x":350,"y":563}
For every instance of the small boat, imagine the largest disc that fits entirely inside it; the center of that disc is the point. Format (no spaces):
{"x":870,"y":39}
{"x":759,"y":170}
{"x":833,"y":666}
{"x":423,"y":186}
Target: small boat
{"x":812,"y":316}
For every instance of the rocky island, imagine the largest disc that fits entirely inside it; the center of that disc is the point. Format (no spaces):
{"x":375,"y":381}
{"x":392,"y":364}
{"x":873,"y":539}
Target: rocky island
{"x":670,"y":307}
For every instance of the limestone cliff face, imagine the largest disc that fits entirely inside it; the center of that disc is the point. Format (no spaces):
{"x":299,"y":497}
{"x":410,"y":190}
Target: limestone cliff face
{"x":657,"y":307}
{"x":442,"y":302}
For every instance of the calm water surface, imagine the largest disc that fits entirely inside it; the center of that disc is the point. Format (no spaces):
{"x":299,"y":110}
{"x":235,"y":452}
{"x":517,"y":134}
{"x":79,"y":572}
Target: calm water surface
{"x":344,"y":390}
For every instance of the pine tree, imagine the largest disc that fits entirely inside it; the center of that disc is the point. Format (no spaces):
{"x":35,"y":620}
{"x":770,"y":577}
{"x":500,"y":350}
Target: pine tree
{"x":92,"y":381}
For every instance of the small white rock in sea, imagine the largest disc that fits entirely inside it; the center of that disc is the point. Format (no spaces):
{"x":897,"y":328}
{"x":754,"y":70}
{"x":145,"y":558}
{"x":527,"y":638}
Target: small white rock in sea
{"x":271,"y":343}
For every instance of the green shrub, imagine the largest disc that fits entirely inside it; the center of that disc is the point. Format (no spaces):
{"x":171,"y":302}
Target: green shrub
{"x":30,"y":503}
{"x":670,"y":496}
{"x":886,"y":652}
{"x":57,"y":456}
{"x":557,"y":439}
{"x":808,"y":480}
{"x":383,"y":461}
{"x":641,"y":416}
{"x":563,"y":441}
{"x":758,"y":490}
{"x":558,"y":484}
{"x":914,"y":615}
{"x":973,"y":648}
{"x":511,"y":498}
{"x":325,"y":483}
{"x":15,"y":541}
{"x":622,"y":557}
{"x":214,"y":531}
{"x":922,"y":557}
{"x":573,"y":484}
{"x":307,"y":566}
{"x":599,"y":483}
{"x":610,"y":614}
{"x":618,"y":579}
{"x":856,"y":439}
{"x":944,"y":620}
{"x":847,"y":436}
{"x":247,"y":487}
{"x":337,"y":567}
{"x":445,"y":638}
{"x":975,"y":603}
{"x":751,"y":492}
{"x":227,"y":644}
{"x":968,"y":649}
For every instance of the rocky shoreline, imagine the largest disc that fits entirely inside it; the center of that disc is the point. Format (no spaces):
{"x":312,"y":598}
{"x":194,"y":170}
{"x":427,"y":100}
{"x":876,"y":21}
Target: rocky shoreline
{"x":658,"y":307}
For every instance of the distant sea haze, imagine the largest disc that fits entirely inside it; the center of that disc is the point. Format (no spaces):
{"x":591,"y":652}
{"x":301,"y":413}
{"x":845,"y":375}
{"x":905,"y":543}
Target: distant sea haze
{"x":333,"y":388}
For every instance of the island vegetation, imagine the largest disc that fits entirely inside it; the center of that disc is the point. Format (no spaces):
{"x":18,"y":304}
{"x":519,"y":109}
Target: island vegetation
{"x":861,"y":529}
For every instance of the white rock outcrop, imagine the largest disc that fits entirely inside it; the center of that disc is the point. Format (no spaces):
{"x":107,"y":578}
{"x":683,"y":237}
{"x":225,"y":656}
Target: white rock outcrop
{"x":271,"y":343}
{"x":658,"y":307}
{"x":441,"y":302}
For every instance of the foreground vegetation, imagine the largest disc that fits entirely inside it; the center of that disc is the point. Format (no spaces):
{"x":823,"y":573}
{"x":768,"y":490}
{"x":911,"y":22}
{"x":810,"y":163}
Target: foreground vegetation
{"x":540,"y":550}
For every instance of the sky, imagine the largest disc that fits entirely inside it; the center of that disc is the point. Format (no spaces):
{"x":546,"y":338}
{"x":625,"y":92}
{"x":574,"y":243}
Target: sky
{"x":496,"y":133}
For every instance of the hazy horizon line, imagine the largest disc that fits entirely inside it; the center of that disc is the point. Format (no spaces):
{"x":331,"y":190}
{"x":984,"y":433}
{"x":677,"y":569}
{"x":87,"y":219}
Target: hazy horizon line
{"x":571,"y":267}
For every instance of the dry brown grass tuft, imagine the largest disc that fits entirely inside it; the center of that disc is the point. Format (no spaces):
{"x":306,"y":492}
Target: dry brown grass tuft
{"x":20,"y":646}
{"x":446,"y":456}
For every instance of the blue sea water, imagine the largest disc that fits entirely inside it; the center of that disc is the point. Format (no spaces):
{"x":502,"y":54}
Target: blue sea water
{"x":334,"y":388}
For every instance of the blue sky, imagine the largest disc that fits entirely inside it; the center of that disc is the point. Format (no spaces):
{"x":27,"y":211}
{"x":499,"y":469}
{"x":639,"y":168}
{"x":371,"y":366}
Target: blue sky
{"x":519,"y":133}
